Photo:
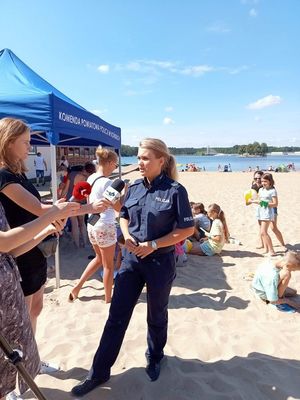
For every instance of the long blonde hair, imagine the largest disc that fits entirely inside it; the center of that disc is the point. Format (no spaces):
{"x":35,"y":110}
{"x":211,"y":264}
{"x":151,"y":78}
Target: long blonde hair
{"x":160,"y":149}
{"x":215,"y":207}
{"x":105,"y":155}
{"x":10,"y":130}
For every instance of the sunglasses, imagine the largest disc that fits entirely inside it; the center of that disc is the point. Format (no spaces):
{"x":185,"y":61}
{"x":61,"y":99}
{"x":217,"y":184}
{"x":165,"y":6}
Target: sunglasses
{"x":257,"y":179}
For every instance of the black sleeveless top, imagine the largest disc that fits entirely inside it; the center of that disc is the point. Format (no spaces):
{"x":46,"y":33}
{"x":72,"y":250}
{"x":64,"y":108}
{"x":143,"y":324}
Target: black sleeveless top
{"x":30,"y":262}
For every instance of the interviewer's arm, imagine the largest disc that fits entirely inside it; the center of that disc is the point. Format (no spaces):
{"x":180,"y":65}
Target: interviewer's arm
{"x":98,"y":206}
{"x":16,"y":193}
{"x":15,"y":237}
{"x":50,"y":229}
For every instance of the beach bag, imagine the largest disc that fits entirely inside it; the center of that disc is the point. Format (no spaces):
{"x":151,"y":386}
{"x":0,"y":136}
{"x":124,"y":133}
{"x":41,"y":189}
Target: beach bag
{"x":48,"y":246}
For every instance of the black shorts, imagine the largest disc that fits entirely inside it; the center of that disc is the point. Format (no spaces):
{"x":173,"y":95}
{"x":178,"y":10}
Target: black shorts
{"x":33,"y":270}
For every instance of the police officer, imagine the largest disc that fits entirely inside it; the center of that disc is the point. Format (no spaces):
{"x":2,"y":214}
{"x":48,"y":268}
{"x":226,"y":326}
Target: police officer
{"x":155,"y":216}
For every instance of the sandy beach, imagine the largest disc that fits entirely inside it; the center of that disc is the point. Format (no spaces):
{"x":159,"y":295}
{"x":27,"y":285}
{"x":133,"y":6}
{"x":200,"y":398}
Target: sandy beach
{"x":223,"y":343}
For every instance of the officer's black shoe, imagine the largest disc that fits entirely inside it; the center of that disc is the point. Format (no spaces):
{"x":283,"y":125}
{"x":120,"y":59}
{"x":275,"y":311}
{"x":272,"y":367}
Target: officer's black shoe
{"x":153,"y":370}
{"x":87,"y":386}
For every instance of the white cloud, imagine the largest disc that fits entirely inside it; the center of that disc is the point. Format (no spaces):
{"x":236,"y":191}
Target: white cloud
{"x":104,"y":68}
{"x":169,"y":109}
{"x":218,"y":27}
{"x":132,"y":92}
{"x":234,"y":71}
{"x":148,"y":72}
{"x":168,"y":121}
{"x":148,"y":80}
{"x":253,"y":13}
{"x":100,"y":112}
{"x":152,"y":66}
{"x":250,"y":2}
{"x":155,"y":67}
{"x":196,"y":70}
{"x":133,"y":66}
{"x":267,"y":101}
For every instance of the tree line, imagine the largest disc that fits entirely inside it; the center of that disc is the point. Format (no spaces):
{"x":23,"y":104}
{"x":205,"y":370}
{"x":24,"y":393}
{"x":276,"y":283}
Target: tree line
{"x":253,"y":149}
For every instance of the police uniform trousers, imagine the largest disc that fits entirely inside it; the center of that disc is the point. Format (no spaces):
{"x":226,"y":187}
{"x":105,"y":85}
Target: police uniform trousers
{"x":157,"y":271}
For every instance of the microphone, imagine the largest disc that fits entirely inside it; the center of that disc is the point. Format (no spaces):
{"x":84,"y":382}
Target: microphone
{"x":113,"y":192}
{"x":80,"y":191}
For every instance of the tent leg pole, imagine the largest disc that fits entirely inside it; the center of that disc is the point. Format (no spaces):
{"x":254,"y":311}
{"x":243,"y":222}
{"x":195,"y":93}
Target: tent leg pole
{"x":57,"y":266}
{"x":54,"y":196}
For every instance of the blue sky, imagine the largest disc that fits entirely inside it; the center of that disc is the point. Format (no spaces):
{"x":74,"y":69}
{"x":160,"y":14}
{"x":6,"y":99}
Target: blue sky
{"x":193,"y":73}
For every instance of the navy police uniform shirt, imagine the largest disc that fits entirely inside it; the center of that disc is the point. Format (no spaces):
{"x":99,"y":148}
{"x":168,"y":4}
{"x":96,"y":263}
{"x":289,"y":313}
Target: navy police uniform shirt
{"x":156,"y":209}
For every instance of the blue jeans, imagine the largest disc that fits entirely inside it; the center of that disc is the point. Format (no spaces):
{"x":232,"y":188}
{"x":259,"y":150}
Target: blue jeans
{"x":158,"y":273}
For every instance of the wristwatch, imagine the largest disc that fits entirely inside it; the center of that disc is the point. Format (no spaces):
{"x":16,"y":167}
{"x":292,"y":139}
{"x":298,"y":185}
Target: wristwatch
{"x":154,"y":245}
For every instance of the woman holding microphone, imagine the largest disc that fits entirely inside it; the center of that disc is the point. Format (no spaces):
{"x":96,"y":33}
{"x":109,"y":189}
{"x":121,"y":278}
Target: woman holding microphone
{"x":22,"y":204}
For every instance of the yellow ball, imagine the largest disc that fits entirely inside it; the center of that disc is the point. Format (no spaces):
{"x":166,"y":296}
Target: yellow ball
{"x":250,"y":194}
{"x":247,"y":195}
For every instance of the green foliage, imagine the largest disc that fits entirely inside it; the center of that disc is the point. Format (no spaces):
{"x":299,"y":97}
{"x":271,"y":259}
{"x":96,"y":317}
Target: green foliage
{"x":254,"y":149}
{"x":128,"y":151}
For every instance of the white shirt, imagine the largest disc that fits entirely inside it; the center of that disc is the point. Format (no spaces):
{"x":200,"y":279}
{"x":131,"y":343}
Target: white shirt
{"x":39,"y":163}
{"x":98,"y":189}
{"x":64,"y":162}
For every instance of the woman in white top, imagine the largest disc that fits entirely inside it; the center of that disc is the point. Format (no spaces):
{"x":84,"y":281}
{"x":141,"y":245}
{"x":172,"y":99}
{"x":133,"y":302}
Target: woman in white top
{"x":103,"y":234}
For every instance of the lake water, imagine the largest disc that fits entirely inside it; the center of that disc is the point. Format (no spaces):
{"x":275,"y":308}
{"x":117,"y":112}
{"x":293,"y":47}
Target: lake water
{"x":237,"y":163}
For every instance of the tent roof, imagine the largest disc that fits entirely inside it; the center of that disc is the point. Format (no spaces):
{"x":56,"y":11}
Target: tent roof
{"x":52,"y":116}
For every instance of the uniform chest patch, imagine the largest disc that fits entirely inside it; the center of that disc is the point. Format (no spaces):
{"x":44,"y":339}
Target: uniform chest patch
{"x":161,"y":200}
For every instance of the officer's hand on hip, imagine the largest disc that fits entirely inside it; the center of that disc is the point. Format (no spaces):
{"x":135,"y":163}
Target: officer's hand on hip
{"x":143,"y":249}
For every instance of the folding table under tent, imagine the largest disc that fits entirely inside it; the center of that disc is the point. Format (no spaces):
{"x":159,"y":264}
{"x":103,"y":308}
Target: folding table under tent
{"x":54,"y":119}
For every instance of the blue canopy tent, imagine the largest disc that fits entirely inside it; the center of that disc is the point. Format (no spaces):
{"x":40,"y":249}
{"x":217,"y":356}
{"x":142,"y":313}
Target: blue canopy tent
{"x":54,"y":119}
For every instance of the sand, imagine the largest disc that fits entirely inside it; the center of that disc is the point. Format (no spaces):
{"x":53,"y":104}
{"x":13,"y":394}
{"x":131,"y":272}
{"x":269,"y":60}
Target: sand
{"x":223,"y":343}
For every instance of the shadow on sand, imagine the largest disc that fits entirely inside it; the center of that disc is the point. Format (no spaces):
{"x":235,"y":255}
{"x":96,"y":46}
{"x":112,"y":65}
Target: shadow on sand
{"x":257,"y":376}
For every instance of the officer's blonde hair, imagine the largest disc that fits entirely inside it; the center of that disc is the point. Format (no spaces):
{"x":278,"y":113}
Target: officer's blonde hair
{"x":105,"y":155}
{"x":10,"y":130}
{"x":160,"y":149}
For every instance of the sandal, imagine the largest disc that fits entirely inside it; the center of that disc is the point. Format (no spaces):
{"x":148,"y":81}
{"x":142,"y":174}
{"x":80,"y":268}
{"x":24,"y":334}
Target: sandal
{"x":72,"y":297}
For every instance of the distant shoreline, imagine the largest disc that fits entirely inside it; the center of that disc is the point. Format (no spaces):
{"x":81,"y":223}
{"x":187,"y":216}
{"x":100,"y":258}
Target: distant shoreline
{"x":233,"y":162}
{"x":273,"y":154}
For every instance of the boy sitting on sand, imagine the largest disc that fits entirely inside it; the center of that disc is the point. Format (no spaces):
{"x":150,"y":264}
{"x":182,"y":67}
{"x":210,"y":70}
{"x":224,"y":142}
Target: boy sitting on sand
{"x":201,"y":220}
{"x":272,"y":277}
